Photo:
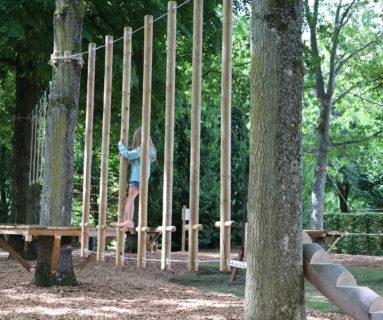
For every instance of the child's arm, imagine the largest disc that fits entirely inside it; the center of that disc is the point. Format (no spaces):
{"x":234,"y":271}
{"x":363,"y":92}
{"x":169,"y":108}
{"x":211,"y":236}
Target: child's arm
{"x":130,"y":155}
{"x":153,"y":153}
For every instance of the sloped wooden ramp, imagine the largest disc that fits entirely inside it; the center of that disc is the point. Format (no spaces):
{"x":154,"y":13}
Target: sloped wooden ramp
{"x":338,"y":284}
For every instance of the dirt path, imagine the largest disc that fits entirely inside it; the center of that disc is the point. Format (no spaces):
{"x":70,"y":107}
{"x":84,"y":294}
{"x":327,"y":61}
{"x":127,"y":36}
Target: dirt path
{"x":108,"y":292}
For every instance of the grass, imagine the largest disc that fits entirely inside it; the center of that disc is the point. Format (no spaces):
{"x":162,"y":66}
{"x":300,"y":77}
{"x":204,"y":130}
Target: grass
{"x":210,"y":278}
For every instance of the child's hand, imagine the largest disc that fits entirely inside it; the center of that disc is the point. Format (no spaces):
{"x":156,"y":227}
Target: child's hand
{"x":119,"y":154}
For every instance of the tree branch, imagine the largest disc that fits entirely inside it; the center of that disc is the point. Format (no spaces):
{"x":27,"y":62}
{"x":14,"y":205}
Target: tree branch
{"x":346,"y":92}
{"x":375,"y":135}
{"x":310,"y":150}
{"x":368,"y":100}
{"x":339,"y":23}
{"x":312,"y":20}
{"x":351,"y":54}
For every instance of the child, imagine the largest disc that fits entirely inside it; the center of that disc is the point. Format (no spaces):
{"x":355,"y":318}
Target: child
{"x":134,"y":181}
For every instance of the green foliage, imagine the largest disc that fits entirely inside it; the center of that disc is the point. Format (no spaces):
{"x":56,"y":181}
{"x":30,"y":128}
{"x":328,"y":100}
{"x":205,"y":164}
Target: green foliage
{"x":357,"y":223}
{"x":356,"y":117}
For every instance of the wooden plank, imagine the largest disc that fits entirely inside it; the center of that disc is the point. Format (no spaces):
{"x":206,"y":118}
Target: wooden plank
{"x":103,"y":198}
{"x":88,"y":148}
{"x":124,"y":133}
{"x":225,"y":194}
{"x":55,"y":254}
{"x":169,"y":135}
{"x":234,"y":272}
{"x":15,"y":255}
{"x":145,"y":137}
{"x":333,"y":244}
{"x":183,"y":232}
{"x":317,"y":233}
{"x":90,"y":258}
{"x":195,"y":133}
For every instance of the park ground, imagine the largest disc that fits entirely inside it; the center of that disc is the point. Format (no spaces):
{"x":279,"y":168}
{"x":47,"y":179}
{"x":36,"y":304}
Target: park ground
{"x":110,"y":292}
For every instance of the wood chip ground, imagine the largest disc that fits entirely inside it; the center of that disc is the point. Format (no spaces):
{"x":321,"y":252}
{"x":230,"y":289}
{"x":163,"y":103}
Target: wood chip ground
{"x":110,"y":292}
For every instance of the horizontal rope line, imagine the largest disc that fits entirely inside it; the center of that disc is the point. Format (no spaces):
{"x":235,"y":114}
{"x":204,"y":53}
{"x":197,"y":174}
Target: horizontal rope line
{"x":364,"y":234}
{"x":78,"y":56}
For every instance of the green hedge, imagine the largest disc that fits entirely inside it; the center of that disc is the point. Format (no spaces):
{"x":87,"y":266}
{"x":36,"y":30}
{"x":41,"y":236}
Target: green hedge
{"x":357,"y":223}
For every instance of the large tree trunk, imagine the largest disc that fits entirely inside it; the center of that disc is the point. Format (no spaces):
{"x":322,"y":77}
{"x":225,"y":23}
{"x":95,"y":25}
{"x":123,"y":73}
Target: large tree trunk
{"x":25,"y":197}
{"x":318,"y":191}
{"x":274,"y":279}
{"x":57,"y":192}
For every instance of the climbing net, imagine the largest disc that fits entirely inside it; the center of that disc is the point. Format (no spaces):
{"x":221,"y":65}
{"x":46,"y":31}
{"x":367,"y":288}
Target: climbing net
{"x":38,"y":125}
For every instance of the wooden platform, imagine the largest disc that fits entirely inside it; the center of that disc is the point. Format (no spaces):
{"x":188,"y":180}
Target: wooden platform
{"x":35,"y":230}
{"x":330,"y":238}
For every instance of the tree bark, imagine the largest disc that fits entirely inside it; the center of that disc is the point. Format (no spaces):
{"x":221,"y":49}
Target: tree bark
{"x":344,"y":189}
{"x":25,"y":197}
{"x":318,"y":191}
{"x":56,"y":205}
{"x":274,"y":279}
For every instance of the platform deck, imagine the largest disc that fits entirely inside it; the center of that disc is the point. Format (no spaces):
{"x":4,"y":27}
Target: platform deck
{"x":36,"y":230}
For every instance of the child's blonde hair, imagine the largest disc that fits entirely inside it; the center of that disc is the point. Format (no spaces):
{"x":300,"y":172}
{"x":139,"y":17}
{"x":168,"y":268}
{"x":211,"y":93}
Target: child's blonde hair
{"x":136,"y":142}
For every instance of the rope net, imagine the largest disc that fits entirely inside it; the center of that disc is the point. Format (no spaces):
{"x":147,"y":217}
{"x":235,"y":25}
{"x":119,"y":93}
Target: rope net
{"x":38,"y":123}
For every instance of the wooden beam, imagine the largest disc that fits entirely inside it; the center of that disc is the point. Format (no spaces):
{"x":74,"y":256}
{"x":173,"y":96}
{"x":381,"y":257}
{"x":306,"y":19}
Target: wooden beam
{"x":55,"y":254}
{"x":225,"y":198}
{"x":105,"y":147}
{"x":195,"y":133}
{"x":15,"y":255}
{"x":183,"y":231}
{"x":90,"y":258}
{"x":145,"y":137}
{"x":169,"y":134}
{"x":88,"y":148}
{"x":125,"y":112}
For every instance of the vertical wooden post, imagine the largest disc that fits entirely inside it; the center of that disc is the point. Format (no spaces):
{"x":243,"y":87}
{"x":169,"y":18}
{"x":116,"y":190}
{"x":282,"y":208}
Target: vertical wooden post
{"x":183,"y":228}
{"x":226,"y":134}
{"x":125,"y":111}
{"x":169,"y":135}
{"x":88,"y":149}
{"x":103,"y":198}
{"x":145,"y":146}
{"x":195,"y":133}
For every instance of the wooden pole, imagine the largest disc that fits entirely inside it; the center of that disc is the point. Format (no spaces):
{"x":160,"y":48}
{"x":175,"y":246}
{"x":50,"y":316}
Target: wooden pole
{"x":226,"y":134}
{"x":125,"y":111}
{"x":195,"y":133}
{"x":88,"y":149}
{"x":103,"y":198}
{"x":145,"y":146}
{"x":169,"y":135}
{"x":183,"y":228}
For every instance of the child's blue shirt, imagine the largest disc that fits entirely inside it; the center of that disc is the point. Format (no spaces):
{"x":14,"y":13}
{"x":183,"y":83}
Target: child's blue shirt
{"x":135,"y":157}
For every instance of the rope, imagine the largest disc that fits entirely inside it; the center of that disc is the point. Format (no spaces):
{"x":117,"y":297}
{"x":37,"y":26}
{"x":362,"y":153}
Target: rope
{"x":168,"y":261}
{"x":78,"y":56}
{"x":364,"y":234}
{"x":38,"y":127}
{"x":236,"y":263}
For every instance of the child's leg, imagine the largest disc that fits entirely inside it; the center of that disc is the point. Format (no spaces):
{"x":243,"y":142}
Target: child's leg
{"x":129,"y":207}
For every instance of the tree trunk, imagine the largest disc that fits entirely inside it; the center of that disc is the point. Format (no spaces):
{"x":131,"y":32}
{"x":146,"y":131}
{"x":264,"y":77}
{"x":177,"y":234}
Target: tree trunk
{"x":274,"y":279}
{"x":4,"y":215}
{"x":344,"y":189}
{"x":318,"y":191}
{"x":56,"y":205}
{"x":25,"y":197}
